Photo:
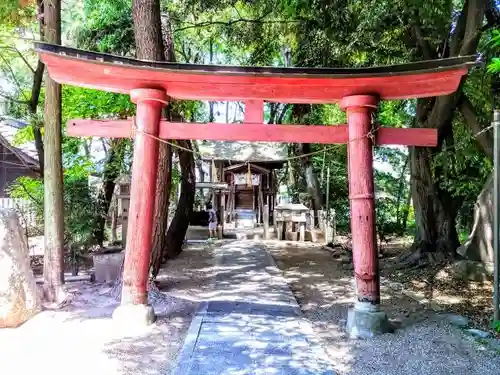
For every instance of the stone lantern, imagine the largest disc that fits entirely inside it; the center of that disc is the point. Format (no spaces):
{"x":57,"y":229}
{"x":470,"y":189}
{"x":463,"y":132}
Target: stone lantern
{"x":123,"y":197}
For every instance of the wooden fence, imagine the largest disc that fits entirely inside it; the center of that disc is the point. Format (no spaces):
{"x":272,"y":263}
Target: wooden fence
{"x":27,"y":213}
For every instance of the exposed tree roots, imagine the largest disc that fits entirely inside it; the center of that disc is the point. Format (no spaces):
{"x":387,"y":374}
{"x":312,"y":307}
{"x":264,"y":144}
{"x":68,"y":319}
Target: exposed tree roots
{"x":422,"y":254}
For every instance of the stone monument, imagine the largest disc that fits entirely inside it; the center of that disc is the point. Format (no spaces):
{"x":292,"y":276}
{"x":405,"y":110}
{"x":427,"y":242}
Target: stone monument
{"x":19,"y":298}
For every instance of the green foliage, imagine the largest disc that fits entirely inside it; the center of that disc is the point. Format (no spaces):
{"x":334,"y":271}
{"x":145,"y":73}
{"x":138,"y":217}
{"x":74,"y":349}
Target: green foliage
{"x":494,"y":46}
{"x":80,"y":207}
{"x":86,"y":103}
{"x":106,"y":26}
{"x":496,"y":325}
{"x":317,"y":33}
{"x":16,"y":13}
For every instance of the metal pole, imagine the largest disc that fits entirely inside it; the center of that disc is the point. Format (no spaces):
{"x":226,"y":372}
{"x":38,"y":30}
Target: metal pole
{"x":328,"y":188}
{"x":327,"y":219}
{"x":496,"y":212}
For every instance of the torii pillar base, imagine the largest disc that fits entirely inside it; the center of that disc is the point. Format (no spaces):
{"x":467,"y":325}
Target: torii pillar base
{"x":130,"y":314}
{"x":365,"y":319}
{"x":134,"y":309}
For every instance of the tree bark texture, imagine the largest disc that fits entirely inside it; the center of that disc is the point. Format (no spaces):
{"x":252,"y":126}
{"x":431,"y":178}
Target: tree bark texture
{"x":33,"y":105}
{"x":53,"y":270}
{"x":161,"y":207}
{"x":435,"y":213}
{"x":35,"y":93}
{"x":149,"y":45}
{"x":147,"y":30}
{"x":180,"y":222}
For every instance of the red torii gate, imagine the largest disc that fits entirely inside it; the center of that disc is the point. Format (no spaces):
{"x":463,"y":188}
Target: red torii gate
{"x":151,"y":84}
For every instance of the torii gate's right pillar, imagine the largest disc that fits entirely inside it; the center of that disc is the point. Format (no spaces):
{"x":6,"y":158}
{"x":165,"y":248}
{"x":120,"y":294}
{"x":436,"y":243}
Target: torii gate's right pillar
{"x":365,"y":319}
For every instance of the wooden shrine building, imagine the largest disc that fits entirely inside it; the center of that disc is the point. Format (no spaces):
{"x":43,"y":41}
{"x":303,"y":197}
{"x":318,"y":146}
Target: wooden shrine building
{"x":249,"y":172}
{"x":15,"y":160}
{"x":358,"y":92}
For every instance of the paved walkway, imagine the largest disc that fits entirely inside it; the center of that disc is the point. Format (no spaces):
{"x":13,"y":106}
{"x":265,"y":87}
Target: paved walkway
{"x":253,"y":325}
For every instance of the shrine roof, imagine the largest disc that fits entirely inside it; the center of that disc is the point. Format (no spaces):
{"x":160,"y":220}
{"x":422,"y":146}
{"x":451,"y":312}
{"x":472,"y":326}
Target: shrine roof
{"x":286,"y":85}
{"x":25,"y":151}
{"x":243,"y":151}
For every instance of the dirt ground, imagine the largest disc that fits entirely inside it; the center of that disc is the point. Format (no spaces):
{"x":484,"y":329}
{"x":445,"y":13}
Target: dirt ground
{"x":323,"y":286}
{"x":87,"y":341}
{"x":472,"y":299}
{"x":424,"y":342}
{"x":315,"y":276}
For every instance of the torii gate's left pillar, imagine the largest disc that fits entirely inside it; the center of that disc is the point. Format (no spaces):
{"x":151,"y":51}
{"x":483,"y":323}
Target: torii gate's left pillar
{"x":134,"y":308}
{"x":365,"y":319}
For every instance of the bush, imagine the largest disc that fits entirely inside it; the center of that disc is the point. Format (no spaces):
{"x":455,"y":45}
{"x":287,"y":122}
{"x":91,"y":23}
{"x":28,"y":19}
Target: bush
{"x":80,"y":210}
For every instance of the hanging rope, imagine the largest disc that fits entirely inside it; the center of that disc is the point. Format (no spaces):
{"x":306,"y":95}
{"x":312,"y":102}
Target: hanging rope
{"x":370,"y":135}
{"x":135,"y":130}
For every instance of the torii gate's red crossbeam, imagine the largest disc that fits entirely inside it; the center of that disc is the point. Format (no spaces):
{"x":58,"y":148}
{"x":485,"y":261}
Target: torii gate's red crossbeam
{"x":323,"y":134}
{"x":358,"y":91}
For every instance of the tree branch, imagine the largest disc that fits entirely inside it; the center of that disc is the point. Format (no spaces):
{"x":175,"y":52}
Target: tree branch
{"x":20,"y":55}
{"x":8,"y":97}
{"x":459,"y":31}
{"x":233,"y":22}
{"x":473,"y":27}
{"x":33,"y":105}
{"x":485,"y":139}
{"x":11,"y":71}
{"x":417,"y":34}
{"x":38,"y":203}
{"x":422,"y":42}
{"x":470,"y":21}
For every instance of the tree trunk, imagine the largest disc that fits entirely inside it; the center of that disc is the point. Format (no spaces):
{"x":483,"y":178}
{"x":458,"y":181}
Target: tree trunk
{"x":149,"y":46}
{"x":53,"y":268}
{"x":114,"y":220}
{"x":299,"y":112}
{"x":147,"y":30}
{"x":406,"y":211}
{"x":436,"y":237}
{"x":402,"y":181}
{"x":35,"y":93}
{"x":435,"y":210}
{"x":180,"y":222}
{"x":110,"y":174}
{"x":161,"y":211}
{"x":33,"y":105}
{"x":479,"y":245}
{"x":211,"y":116}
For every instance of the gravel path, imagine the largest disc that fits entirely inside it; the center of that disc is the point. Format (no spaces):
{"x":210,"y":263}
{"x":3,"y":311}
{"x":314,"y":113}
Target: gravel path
{"x":424,"y":343}
{"x":83,"y":339}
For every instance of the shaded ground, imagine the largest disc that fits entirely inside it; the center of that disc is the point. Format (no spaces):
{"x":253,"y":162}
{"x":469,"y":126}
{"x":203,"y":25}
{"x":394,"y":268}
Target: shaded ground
{"x":82,"y":339}
{"x":424,"y":344}
{"x":469,"y":298}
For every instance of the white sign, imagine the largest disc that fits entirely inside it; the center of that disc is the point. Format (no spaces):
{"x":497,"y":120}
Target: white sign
{"x":242,"y":179}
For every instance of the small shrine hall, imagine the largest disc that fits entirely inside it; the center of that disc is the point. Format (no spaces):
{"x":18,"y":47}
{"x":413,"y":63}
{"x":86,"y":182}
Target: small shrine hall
{"x":357,"y":91}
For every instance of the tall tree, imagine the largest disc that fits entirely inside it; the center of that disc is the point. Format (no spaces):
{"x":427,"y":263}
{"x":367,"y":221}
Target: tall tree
{"x":436,"y":209}
{"x":180,"y":222}
{"x":299,"y":115}
{"x":149,"y":46}
{"x":111,"y":171}
{"x":53,"y":270}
